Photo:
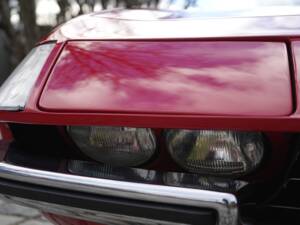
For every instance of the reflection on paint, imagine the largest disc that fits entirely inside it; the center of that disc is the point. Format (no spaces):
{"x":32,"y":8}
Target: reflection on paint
{"x":246,"y":78}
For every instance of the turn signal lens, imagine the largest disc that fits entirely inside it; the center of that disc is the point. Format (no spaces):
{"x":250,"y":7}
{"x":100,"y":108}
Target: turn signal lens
{"x":216,"y":152}
{"x":118,"y":146}
{"x":15,"y":91}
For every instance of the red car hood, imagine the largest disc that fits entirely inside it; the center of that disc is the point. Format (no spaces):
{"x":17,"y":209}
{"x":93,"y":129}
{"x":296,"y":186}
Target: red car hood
{"x":174,"y":77}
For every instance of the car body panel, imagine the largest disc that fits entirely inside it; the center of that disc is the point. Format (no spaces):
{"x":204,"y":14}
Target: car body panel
{"x":171,"y":77}
{"x":133,"y":24}
{"x":296,"y":60}
{"x":62,"y":220}
{"x":265,"y":105}
{"x":33,"y":114}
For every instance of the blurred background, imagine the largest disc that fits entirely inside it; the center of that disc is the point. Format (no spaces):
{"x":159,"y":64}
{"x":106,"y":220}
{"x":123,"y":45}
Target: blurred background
{"x":24,"y":22}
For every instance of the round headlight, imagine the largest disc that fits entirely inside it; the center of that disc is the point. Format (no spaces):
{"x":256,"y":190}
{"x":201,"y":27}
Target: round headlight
{"x":119,"y":146}
{"x":216,"y":152}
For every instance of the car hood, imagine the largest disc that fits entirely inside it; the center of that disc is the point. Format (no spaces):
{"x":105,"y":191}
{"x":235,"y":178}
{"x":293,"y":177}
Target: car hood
{"x":248,"y":78}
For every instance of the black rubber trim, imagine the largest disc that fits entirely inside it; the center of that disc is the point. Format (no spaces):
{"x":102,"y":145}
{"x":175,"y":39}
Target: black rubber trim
{"x":269,"y":215}
{"x":164,"y":212}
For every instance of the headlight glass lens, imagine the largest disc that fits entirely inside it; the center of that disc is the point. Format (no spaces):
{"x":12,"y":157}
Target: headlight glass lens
{"x":216,"y":152}
{"x":118,"y":146}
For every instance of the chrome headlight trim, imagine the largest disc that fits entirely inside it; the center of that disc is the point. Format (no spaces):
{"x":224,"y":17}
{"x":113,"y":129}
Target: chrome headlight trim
{"x":15,"y":91}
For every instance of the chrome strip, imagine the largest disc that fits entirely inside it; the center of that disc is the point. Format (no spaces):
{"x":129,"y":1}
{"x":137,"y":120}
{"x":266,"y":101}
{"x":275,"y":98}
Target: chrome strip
{"x":225,"y":204}
{"x":84,"y":214}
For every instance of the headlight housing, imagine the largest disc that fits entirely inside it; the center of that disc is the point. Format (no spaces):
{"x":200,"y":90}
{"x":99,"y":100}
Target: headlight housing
{"x":118,"y":146}
{"x":216,"y":152}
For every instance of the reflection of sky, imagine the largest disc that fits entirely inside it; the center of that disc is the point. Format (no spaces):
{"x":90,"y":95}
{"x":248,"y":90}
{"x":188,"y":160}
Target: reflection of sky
{"x":48,"y":9}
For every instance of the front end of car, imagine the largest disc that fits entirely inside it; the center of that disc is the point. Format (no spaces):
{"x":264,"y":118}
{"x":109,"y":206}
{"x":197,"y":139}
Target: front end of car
{"x":182,"y":129}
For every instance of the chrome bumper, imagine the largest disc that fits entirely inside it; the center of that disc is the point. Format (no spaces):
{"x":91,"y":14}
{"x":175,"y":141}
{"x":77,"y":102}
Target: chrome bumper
{"x":224,"y":204}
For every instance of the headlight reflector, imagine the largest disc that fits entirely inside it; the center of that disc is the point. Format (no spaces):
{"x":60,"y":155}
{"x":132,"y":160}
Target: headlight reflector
{"x":216,"y":152}
{"x":118,"y":146}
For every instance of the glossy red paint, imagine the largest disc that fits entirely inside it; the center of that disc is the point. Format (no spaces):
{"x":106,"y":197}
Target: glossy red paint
{"x":92,"y":27}
{"x":208,"y":78}
{"x":43,"y":76}
{"x":279,"y":29}
{"x":33,"y":115}
{"x":296,"y":67}
{"x":153,"y":24}
{"x":62,"y":220}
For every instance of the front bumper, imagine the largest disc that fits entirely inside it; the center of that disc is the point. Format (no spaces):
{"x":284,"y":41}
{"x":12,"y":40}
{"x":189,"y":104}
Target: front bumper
{"x":107,"y":200}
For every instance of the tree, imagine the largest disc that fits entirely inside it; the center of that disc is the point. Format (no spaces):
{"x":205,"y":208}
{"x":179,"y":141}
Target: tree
{"x":131,"y":4}
{"x":64,"y":6}
{"x":28,"y":18}
{"x":24,"y":36}
{"x":12,"y":43}
{"x":5,"y":18}
{"x":104,"y":3}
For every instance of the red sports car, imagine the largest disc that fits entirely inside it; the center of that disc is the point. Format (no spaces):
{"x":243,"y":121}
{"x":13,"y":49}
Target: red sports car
{"x":157,"y":117}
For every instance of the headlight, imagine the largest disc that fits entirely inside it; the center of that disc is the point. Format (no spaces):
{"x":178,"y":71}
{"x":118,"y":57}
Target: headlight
{"x":119,"y":146}
{"x":216,"y":152}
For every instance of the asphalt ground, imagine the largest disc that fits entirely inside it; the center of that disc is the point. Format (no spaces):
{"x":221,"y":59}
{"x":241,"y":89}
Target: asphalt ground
{"x":12,"y":214}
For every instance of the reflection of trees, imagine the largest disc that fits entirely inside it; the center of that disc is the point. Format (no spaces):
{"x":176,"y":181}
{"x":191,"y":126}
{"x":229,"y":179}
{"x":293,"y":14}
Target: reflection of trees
{"x":119,"y":61}
{"x":105,"y":58}
{"x":89,"y":5}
